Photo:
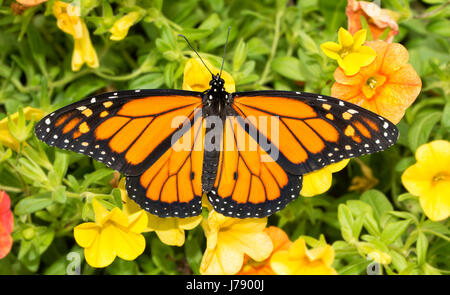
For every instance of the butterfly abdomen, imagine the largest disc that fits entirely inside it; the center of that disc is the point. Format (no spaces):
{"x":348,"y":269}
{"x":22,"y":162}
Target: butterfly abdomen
{"x":210,"y":164}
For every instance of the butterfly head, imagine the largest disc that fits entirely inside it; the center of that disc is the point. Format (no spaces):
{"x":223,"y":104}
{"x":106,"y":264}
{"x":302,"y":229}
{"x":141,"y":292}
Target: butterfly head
{"x":217,"y":82}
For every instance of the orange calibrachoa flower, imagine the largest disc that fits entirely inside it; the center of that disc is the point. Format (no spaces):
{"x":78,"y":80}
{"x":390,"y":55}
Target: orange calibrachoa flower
{"x":112,"y":234}
{"x":388,"y":86}
{"x":299,"y":260}
{"x":30,"y":3}
{"x":69,"y":21}
{"x":229,"y":239}
{"x":378,"y":19}
{"x":6,"y":224}
{"x":429,"y":179}
{"x":280,"y":242}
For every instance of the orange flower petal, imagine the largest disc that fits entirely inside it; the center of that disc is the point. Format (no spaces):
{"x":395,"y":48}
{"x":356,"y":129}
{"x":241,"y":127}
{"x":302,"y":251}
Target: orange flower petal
{"x":341,"y":78}
{"x":395,"y":57}
{"x":345,"y":92}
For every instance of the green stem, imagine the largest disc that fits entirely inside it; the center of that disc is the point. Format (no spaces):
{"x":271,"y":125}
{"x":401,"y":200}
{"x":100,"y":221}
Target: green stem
{"x":436,"y":234}
{"x":273,"y":50}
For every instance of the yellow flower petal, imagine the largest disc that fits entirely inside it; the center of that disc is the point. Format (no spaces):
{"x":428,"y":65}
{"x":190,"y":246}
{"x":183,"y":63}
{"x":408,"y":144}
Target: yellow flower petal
{"x":197,"y":77}
{"x":228,"y":239}
{"x":169,"y":230}
{"x":6,"y":138}
{"x":345,"y":38}
{"x":120,"y":28}
{"x":318,"y":182}
{"x":429,"y":179}
{"x":417,"y":178}
{"x":437,"y":153}
{"x":359,"y":38}
{"x":138,"y":221}
{"x":83,"y":51}
{"x":172,"y":237}
{"x":101,"y":252}
{"x":367,"y":55}
{"x":100,"y":212}
{"x":331,"y":49}
{"x":338,"y":166}
{"x":299,"y":260}
{"x":435,"y":201}
{"x":86,"y":233}
{"x":127,"y":245}
{"x":281,"y":263}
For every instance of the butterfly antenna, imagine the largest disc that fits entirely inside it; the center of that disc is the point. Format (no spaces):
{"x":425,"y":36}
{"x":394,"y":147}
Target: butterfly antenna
{"x":224,"y":51}
{"x":181,"y":35}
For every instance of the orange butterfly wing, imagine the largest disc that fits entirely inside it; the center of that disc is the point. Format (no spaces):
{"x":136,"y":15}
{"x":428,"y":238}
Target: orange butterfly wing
{"x":249,"y":183}
{"x":314,"y":130}
{"x":172,"y":186}
{"x":128,"y":130}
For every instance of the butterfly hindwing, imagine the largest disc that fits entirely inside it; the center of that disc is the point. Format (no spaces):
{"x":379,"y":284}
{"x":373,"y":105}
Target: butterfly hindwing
{"x":172,"y":186}
{"x":249,"y":183}
{"x":315,"y":130}
{"x":126,"y":130}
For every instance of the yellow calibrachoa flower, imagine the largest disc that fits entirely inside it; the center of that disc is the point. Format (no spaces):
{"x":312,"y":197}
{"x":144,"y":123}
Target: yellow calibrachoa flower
{"x":429,"y":179}
{"x":350,"y":53}
{"x":318,"y":182}
{"x":112,"y":234}
{"x":69,"y":21}
{"x":299,"y":260}
{"x":197,"y":77}
{"x":228,"y":239}
{"x":6,"y":138}
{"x":170,"y":230}
{"x":120,"y":28}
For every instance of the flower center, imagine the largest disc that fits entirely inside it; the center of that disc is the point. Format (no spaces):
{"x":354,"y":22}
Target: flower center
{"x":441,"y":176}
{"x":372,"y":83}
{"x":345,"y":51}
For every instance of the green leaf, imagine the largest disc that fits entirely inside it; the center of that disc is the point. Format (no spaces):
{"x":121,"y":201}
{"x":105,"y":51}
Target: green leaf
{"x":83,"y":87}
{"x":59,"y":194}
{"x":122,"y":267}
{"x":378,"y":201}
{"x":147,"y":81}
{"x":346,"y":221}
{"x":421,"y":129}
{"x":240,"y":54}
{"x":192,"y":248}
{"x":398,"y":260}
{"x":196,"y":34}
{"x":393,"y":230}
{"x":34,"y":203}
{"x":163,"y":256}
{"x":37,"y":47}
{"x":96,"y":176}
{"x":440,"y":26}
{"x":421,"y":248}
{"x":308,"y":43}
{"x":288,"y":67}
{"x":446,"y":116}
{"x":354,"y":268}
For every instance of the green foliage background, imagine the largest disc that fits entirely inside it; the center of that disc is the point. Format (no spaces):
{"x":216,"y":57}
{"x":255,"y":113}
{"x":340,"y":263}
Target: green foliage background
{"x":272,"y":45}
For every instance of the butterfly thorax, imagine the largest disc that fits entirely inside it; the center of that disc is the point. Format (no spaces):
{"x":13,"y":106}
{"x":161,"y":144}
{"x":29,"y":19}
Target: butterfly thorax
{"x":216,"y":98}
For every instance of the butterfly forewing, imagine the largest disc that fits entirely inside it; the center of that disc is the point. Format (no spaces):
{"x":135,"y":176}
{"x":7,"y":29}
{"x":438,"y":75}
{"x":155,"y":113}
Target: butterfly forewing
{"x":315,"y":130}
{"x":126,"y":130}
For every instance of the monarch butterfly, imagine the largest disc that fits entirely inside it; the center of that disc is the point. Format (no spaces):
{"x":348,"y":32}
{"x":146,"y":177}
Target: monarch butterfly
{"x":246,"y":150}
